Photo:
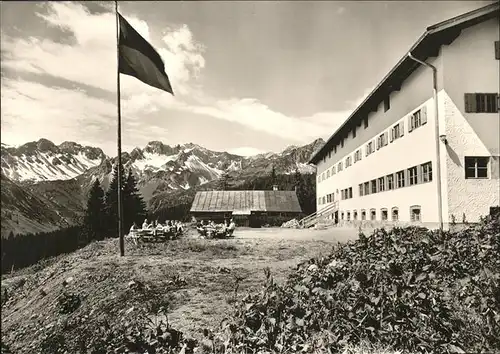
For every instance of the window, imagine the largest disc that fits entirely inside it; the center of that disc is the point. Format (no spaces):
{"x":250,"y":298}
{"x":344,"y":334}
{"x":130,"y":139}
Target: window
{"x":348,"y":161}
{"x":383,"y":214}
{"x":363,"y":215}
{"x":323,"y":176}
{"x":373,"y":214}
{"x":426,"y":172}
{"x":342,"y":194}
{"x":339,"y":167}
{"x":387,"y":103}
{"x":333,"y":170}
{"x":366,"y":122}
{"x":400,"y":178}
{"x":361,"y":190}
{"x":476,"y":167}
{"x":357,"y":155}
{"x":324,"y":200}
{"x":353,"y":132}
{"x":415,"y":213}
{"x":369,"y":148}
{"x":348,"y":216}
{"x":355,"y":215}
{"x":367,"y":188}
{"x":481,"y":103}
{"x":374,"y":185}
{"x":382,"y":140}
{"x":395,"y":214}
{"x":390,"y":182}
{"x":350,"y":192}
{"x":397,"y":131}
{"x":417,"y":119}
{"x":319,"y":200}
{"x":342,"y":215}
{"x":328,"y":198}
{"x":381,"y":184}
{"x":412,"y":176}
{"x":328,"y":174}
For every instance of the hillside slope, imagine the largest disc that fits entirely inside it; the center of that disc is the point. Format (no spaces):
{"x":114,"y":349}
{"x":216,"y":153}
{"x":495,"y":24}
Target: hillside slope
{"x":33,"y":209}
{"x":193,"y":279}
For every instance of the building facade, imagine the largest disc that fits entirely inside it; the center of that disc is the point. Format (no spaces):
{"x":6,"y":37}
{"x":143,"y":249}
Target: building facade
{"x":382,"y":165}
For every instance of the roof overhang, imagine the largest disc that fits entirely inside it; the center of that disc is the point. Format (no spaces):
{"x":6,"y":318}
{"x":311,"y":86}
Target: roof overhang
{"x":427,"y":46}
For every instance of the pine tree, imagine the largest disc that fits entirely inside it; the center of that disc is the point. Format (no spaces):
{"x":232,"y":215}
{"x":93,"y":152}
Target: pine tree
{"x":94,"y":220}
{"x":134,"y":207}
{"x":111,"y":207}
{"x":223,"y":182}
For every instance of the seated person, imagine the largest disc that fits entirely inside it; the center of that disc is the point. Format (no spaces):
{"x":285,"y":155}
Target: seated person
{"x":145,"y":224}
{"x":133,"y":228}
{"x":232,"y":226}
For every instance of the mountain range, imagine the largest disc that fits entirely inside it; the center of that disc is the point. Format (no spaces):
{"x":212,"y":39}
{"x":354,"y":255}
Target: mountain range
{"x":44,"y":185}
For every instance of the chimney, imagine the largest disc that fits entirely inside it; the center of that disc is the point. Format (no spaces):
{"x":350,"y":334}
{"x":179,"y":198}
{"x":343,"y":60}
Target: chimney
{"x":275,"y":187}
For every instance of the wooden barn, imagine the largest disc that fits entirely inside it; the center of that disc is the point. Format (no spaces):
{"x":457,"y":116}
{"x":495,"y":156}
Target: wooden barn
{"x":247,"y":208}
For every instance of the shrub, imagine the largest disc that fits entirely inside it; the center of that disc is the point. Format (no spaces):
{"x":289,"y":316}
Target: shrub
{"x":409,"y":289}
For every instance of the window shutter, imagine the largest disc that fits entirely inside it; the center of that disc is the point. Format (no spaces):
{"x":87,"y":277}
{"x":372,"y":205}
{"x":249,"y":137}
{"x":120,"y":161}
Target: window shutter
{"x":385,"y":138}
{"x":366,"y":150}
{"x":470,"y":103}
{"x":402,"y":128}
{"x":419,"y":174}
{"x":495,"y":167}
{"x":497,"y":50}
{"x":392,"y":135}
{"x":423,"y":115}
{"x":378,"y":143}
{"x":410,"y":123}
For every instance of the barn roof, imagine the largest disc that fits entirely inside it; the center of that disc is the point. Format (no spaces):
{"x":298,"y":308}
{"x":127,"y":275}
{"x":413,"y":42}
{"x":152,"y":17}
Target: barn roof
{"x":243,"y":202}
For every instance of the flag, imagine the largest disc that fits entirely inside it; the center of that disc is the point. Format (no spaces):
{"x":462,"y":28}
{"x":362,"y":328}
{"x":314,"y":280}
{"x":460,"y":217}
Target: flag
{"x":139,"y":59}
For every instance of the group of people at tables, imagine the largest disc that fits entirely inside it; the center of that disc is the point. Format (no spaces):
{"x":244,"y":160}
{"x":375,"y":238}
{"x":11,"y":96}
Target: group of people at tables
{"x":211,"y":229}
{"x":173,"y":227}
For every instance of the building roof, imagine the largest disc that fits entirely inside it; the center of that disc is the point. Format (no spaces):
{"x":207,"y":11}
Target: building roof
{"x":427,"y":46}
{"x":244,"y":202}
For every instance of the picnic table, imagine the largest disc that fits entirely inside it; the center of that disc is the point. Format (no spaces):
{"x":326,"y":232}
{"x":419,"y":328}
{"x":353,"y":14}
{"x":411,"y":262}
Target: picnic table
{"x":152,"y":235}
{"x":215,"y":232}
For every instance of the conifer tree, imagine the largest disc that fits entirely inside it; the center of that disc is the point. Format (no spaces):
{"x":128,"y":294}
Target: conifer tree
{"x":134,"y":207}
{"x":94,"y":219}
{"x":223,"y":183}
{"x":112,"y":202}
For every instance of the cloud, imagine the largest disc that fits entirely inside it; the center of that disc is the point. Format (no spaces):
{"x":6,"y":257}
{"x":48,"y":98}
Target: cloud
{"x":31,"y":110}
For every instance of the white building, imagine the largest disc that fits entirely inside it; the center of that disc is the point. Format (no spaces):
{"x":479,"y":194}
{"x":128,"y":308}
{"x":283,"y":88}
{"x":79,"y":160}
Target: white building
{"x":396,"y":160}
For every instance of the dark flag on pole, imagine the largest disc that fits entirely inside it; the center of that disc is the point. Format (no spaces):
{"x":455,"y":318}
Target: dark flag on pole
{"x":139,"y":59}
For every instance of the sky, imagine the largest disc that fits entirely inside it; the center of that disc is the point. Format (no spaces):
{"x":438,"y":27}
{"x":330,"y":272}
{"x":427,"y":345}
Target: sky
{"x":248,"y":77}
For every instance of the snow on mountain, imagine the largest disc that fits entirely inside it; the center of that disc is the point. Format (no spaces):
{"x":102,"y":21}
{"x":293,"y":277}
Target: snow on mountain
{"x":44,"y":161}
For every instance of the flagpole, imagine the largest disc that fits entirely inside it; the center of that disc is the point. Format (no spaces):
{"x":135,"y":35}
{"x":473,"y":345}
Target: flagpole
{"x":120,"y":207}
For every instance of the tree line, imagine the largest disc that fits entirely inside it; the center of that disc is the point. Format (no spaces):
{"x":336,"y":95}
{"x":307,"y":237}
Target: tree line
{"x":99,"y":222}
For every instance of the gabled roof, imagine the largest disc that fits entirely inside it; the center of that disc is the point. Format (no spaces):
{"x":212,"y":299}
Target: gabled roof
{"x":427,"y":45}
{"x":244,"y":202}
